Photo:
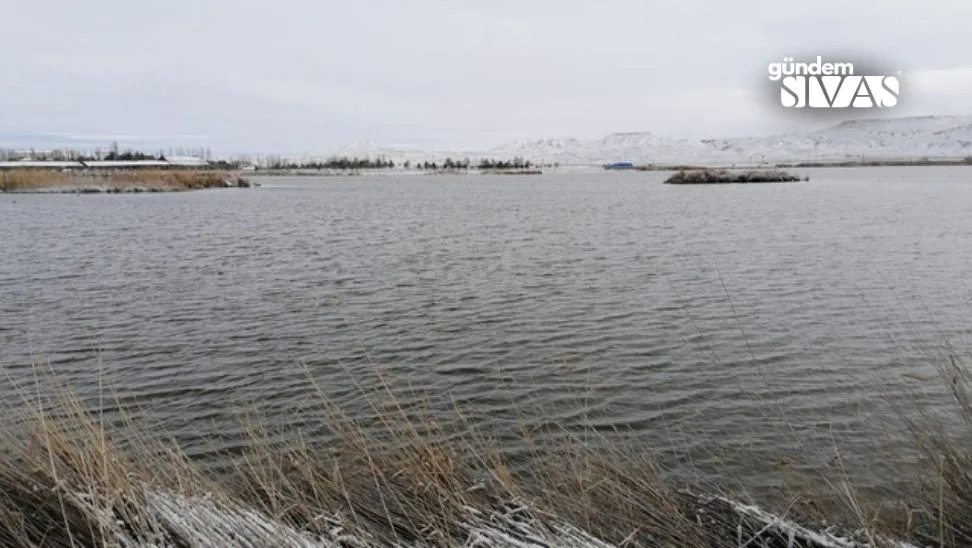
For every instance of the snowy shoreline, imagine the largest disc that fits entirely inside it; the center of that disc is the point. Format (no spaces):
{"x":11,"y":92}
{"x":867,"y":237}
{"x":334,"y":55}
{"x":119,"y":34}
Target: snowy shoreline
{"x":210,"y":520}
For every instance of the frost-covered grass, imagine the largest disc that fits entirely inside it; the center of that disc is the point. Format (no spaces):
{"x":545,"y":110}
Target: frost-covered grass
{"x":35,"y":180}
{"x":68,"y":478}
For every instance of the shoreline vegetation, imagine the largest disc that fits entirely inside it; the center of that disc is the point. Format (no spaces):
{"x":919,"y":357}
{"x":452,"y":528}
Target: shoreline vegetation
{"x":724,"y":176}
{"x":91,"y":165}
{"x":922,"y":162}
{"x":411,"y":171}
{"x":201,"y":159}
{"x":72,"y":478}
{"x":116,"y":180}
{"x":353,"y":166}
{"x":101,"y":163}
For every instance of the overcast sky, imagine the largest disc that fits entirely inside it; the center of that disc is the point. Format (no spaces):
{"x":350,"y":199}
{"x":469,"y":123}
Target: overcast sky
{"x":310,"y":76}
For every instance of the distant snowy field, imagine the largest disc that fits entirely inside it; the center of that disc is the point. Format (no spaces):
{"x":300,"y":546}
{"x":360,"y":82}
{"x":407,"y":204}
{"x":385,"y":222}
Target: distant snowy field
{"x":936,"y":137}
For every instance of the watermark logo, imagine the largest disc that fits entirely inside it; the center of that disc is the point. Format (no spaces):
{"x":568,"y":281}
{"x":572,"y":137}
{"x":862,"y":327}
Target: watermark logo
{"x":827,"y":85}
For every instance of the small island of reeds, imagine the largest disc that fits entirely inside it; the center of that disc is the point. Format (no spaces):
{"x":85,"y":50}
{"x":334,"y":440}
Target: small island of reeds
{"x":717,"y":176}
{"x":115,"y":181}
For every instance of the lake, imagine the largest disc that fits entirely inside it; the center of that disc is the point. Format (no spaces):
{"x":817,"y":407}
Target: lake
{"x":728,"y":326}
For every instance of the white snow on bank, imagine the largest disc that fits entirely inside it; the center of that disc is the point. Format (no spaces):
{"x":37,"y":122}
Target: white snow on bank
{"x":207,"y":521}
{"x":909,"y":138}
{"x":793,"y":532}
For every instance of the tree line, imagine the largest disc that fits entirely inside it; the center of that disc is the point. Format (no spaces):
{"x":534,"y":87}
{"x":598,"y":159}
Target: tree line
{"x":111,"y":153}
{"x":342,"y":162}
{"x":345,"y":163}
{"x":484,"y":164}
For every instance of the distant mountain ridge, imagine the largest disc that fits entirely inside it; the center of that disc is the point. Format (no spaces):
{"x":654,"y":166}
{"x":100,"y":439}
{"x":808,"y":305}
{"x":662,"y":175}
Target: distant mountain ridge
{"x":897,"y":138}
{"x":872,"y":139}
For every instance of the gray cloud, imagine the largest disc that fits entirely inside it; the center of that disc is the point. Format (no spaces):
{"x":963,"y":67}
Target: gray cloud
{"x":302,"y":76}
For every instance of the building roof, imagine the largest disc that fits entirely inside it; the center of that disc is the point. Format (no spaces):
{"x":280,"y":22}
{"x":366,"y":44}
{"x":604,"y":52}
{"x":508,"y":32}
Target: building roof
{"x":186,"y":161}
{"x":126,"y":163}
{"x":169,"y":162}
{"x":41,"y":164}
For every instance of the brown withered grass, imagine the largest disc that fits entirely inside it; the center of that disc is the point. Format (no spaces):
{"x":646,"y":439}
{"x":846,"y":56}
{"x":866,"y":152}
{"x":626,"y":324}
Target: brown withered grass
{"x":28,"y":180}
{"x":724,"y":176}
{"x":69,"y":478}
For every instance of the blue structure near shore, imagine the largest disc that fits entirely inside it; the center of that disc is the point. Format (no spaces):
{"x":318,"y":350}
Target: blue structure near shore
{"x":619,"y":165}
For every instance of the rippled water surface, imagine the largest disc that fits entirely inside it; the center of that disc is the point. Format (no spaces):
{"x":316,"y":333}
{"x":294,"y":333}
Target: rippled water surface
{"x":701,"y":318}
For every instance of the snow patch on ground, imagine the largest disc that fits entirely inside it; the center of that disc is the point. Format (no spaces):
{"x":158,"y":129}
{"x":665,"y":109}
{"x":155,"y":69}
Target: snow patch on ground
{"x":207,"y":521}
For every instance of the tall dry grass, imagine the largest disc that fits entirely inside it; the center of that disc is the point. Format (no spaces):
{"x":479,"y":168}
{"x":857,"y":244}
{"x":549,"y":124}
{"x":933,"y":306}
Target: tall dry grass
{"x":70,"y":478}
{"x":27,"y":180}
{"x":715,"y":176}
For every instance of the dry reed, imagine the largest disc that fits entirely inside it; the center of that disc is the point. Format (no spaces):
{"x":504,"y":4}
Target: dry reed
{"x":70,"y":479}
{"x":716,"y":176}
{"x":32,"y":180}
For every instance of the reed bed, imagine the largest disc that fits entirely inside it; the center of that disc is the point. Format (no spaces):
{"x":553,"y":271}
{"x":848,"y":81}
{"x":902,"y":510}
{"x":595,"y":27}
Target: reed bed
{"x":71,"y":478}
{"x":135,"y":180}
{"x":717,"y":176}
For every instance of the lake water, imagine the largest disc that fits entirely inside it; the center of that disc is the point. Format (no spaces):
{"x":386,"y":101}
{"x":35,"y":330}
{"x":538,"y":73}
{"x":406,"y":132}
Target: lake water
{"x":773,"y":319}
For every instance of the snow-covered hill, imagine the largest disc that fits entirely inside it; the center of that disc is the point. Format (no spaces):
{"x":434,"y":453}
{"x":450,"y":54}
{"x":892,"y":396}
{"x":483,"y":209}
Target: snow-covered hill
{"x":898,"y":138}
{"x":368,"y":149}
{"x":641,"y":147}
{"x":876,"y":139}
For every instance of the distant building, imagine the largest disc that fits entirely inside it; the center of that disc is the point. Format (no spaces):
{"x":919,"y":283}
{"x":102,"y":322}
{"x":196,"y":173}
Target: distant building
{"x":25,"y":164}
{"x":125,"y":164}
{"x":619,"y":165}
{"x":186,"y":161}
{"x":177,"y":162}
